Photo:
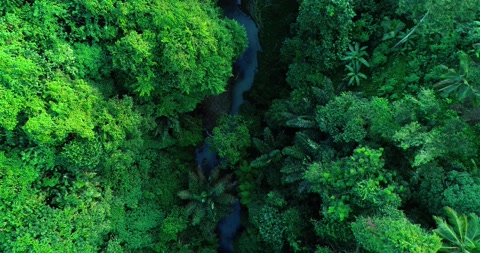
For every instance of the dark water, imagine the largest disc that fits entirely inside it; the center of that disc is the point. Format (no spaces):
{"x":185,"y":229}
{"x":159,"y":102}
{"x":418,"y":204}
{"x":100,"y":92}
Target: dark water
{"x":247,"y":65}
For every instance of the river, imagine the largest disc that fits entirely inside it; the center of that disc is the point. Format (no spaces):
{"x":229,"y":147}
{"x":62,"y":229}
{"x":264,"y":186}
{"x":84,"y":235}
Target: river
{"x":247,"y":67}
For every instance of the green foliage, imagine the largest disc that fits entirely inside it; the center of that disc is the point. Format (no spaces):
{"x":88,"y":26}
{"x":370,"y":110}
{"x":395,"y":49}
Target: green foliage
{"x":439,"y":187}
{"x":231,"y":138}
{"x":429,"y":143}
{"x":270,"y":227}
{"x":247,"y":176}
{"x":209,"y":198}
{"x":278,"y":227}
{"x":444,"y":15}
{"x":430,"y":179}
{"x":296,"y":112}
{"x":250,"y":242}
{"x":345,"y":118}
{"x":95,"y":139}
{"x":460,"y":192}
{"x":354,"y":75}
{"x":393,"y":232}
{"x":355,"y":55}
{"x":322,"y":30}
{"x":82,"y":155}
{"x":71,"y":110}
{"x":11,"y":105}
{"x":173,"y":224}
{"x":460,"y":233}
{"x":355,"y":60}
{"x":91,"y":61}
{"x":334,"y":232}
{"x":176,"y":56}
{"x":31,"y":224}
{"x":461,"y":83}
{"x":297,"y":158}
{"x":10,"y":5}
{"x":353,"y":184}
{"x":391,"y":28}
{"x":82,"y":165}
{"x":323,"y":250}
{"x":133,"y":226}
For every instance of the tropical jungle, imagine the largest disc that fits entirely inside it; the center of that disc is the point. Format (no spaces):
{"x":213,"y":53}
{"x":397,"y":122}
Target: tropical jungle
{"x":359,"y":133}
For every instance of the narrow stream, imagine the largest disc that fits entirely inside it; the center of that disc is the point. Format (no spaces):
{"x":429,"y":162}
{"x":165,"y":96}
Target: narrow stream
{"x":247,"y":66}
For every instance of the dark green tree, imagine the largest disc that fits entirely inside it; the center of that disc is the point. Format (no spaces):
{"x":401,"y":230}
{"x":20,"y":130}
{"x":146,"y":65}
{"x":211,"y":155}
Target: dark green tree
{"x":209,"y":198}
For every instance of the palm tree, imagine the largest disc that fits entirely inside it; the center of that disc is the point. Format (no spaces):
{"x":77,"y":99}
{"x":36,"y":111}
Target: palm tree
{"x":298,"y":157}
{"x":460,"y":233}
{"x":461,"y":82}
{"x":355,"y":60}
{"x":209,"y":198}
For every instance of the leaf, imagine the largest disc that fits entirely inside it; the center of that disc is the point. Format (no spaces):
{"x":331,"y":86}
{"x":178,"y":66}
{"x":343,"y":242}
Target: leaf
{"x":302,"y":122}
{"x":461,"y":232}
{"x":362,"y":75}
{"x":362,"y":60}
{"x":464,"y":92}
{"x":450,"y":88}
{"x":352,"y":79}
{"x":465,"y":62}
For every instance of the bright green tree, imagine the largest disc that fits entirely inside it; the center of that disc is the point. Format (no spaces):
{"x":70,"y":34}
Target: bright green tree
{"x":231,"y":138}
{"x":393,"y":233}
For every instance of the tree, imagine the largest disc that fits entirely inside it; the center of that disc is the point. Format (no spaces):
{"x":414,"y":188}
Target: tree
{"x":392,"y":233}
{"x":353,"y":185}
{"x":462,"y":83}
{"x":346,"y":118}
{"x":231,"y":138}
{"x":209,"y":198}
{"x":172,"y":54}
{"x":322,"y":30}
{"x":355,"y":61}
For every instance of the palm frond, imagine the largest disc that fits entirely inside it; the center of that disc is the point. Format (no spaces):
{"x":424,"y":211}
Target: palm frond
{"x":460,"y":233}
{"x":261,"y":145}
{"x":198,"y":215}
{"x":268,"y":136}
{"x":191,"y":207}
{"x":226,"y":199}
{"x":207,"y":196}
{"x":185,"y":194}
{"x":225,"y":180}
{"x":214,"y":176}
{"x":458,"y":222}
{"x":292,"y":172}
{"x":197,"y":177}
{"x":221,"y":186}
{"x":473,"y":231}
{"x":302,"y":122}
{"x":445,"y":231}
{"x":294,"y":152}
{"x":309,"y":146}
{"x":266,"y":159}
